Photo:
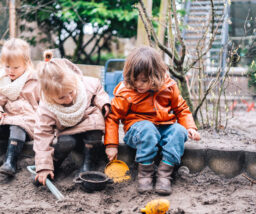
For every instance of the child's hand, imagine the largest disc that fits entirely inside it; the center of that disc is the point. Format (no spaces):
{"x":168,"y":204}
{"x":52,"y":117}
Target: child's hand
{"x":193,"y":134}
{"x":111,"y":152}
{"x":106,"y":110}
{"x":2,"y":114}
{"x":42,"y":175}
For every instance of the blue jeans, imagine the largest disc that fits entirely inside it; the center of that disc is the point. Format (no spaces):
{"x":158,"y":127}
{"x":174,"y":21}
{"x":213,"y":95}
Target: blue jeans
{"x":146,"y":138}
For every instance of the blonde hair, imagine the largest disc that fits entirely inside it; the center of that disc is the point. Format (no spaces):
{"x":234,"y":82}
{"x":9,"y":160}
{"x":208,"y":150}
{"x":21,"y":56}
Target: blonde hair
{"x":55,"y":77}
{"x":16,"y":48}
{"x":147,"y":61}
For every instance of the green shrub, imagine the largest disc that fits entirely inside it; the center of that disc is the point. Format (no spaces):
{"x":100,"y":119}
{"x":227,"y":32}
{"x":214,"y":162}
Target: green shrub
{"x":252,"y":75}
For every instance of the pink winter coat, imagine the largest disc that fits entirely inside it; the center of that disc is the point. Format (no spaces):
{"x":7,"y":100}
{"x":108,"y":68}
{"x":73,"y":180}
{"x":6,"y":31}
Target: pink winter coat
{"x":47,"y":124}
{"x":21,"y":112}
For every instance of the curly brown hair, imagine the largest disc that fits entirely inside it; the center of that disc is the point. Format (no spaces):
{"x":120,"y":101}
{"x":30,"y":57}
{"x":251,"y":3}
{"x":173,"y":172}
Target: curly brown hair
{"x":147,"y":61}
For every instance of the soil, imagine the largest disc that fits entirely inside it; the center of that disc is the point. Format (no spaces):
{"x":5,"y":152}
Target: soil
{"x":203,"y":192}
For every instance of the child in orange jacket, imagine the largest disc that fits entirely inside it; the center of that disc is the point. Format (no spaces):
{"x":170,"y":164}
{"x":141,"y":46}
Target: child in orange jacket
{"x":154,"y":114}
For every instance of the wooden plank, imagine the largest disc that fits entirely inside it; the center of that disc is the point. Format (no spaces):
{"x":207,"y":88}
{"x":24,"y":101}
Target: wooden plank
{"x":91,"y":70}
{"x":88,"y":70}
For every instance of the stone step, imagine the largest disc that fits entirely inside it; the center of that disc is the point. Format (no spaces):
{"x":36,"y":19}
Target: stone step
{"x":206,"y":3}
{"x":204,"y":8}
{"x":198,"y":31}
{"x":194,"y":43}
{"x":187,"y":37}
{"x":197,"y":13}
{"x":203,"y":25}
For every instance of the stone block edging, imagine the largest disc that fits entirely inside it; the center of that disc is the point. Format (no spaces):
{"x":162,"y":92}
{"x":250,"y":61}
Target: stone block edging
{"x":224,"y":162}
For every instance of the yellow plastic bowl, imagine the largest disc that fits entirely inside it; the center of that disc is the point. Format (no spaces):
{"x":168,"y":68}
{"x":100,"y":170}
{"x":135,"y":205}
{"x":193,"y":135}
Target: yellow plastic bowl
{"x":118,"y":171}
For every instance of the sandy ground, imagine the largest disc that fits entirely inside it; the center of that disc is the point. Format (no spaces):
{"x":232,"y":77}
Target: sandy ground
{"x":199,"y":193}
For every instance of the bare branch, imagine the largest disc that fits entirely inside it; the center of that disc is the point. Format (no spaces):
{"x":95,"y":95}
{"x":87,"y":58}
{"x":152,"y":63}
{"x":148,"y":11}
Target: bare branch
{"x":97,"y":42}
{"x":170,"y":37}
{"x":161,"y":46}
{"x":175,"y":74}
{"x":245,"y":22}
{"x":211,"y":85}
{"x":89,"y":41}
{"x":4,"y":34}
{"x":183,"y":47}
{"x":207,"y":27}
{"x":212,"y":13}
{"x":212,"y":38}
{"x":146,"y":27}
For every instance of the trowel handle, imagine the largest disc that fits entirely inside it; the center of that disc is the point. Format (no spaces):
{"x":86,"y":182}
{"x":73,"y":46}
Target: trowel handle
{"x":49,"y":184}
{"x":32,"y":169}
{"x":54,"y":190}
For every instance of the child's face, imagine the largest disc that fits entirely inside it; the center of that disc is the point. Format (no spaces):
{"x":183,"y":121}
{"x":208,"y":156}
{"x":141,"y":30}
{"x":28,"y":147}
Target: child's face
{"x":142,"y":84}
{"x":66,"y":98}
{"x":15,"y":69}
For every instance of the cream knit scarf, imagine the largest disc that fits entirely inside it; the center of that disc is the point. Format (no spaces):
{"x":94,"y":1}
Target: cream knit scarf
{"x":12,"y":89}
{"x":71,"y":115}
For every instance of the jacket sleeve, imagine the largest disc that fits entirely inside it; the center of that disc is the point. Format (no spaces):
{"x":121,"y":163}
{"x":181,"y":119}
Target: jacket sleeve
{"x":3,"y":101}
{"x":101,"y":97}
{"x":73,"y":67}
{"x":119,"y":110}
{"x":43,"y":138}
{"x":181,"y":109}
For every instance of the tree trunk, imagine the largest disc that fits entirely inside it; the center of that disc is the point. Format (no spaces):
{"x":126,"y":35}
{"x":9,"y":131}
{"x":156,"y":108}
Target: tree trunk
{"x":142,"y":38}
{"x":77,"y":56}
{"x":185,"y":93}
{"x":162,"y":21}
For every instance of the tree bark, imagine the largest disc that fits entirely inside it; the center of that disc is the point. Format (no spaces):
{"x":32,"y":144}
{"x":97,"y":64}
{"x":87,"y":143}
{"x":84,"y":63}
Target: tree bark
{"x":185,"y":93}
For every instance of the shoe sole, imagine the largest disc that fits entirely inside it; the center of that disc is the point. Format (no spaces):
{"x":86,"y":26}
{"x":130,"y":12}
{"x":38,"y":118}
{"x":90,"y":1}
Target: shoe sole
{"x":163,"y":192}
{"x":7,"y":173}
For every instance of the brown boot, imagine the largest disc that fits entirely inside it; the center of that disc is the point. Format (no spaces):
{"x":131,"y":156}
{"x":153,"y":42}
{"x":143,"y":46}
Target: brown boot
{"x":145,"y":178}
{"x":163,"y":182}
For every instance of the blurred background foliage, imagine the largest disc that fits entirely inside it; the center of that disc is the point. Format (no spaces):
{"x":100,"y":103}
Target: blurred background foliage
{"x":60,"y":20}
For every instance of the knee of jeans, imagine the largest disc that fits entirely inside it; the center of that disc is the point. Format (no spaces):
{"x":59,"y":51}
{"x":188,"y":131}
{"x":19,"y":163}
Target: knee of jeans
{"x":181,"y":130}
{"x":146,"y":125}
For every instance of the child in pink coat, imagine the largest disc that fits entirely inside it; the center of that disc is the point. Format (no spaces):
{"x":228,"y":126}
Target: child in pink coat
{"x":19,"y":98}
{"x":72,"y":107}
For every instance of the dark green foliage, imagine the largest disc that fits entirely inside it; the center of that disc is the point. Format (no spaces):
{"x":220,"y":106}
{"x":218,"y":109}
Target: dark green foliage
{"x":66,"y":19}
